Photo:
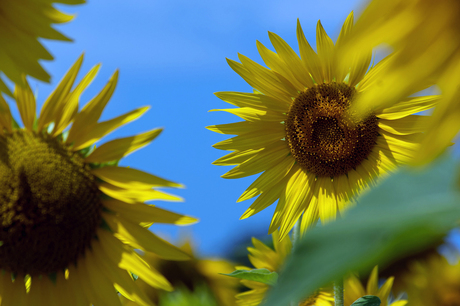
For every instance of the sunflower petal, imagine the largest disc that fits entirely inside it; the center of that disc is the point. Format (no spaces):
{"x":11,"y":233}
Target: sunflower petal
{"x":131,"y":178}
{"x":243,"y":99}
{"x":139,"y":212}
{"x":136,"y":196}
{"x":408,"y":107}
{"x":372,"y":283}
{"x":119,"y":148}
{"x":309,"y":57}
{"x":141,"y":238}
{"x":292,"y":60}
{"x":327,"y":203}
{"x":26,"y":104}
{"x":47,"y":114}
{"x":67,"y":110}
{"x":325,"y":48}
{"x":251,"y":140}
{"x":262,"y":161}
{"x":120,"y":278}
{"x":91,"y":112}
{"x":236,"y":158}
{"x":129,"y":260}
{"x":101,"y":129}
{"x":408,"y":125}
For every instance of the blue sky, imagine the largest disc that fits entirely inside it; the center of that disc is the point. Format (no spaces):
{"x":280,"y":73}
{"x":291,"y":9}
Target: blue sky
{"x":171,"y":56}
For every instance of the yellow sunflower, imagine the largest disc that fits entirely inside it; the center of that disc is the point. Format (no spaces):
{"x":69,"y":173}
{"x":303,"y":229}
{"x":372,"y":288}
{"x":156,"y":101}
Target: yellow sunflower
{"x":263,"y":257}
{"x":425,"y":35}
{"x":70,"y":217}
{"x":314,"y":154}
{"x":353,"y":290}
{"x":192,"y":274}
{"x":23,"y":23}
{"x":434,"y":281}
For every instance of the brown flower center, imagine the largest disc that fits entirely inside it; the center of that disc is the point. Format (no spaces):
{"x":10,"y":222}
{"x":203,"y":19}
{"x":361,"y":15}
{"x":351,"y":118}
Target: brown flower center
{"x":324,"y":139}
{"x":49,"y":204}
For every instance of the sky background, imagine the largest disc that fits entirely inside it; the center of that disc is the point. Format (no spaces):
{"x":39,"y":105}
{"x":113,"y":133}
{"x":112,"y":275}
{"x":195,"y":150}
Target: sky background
{"x":171,"y":56}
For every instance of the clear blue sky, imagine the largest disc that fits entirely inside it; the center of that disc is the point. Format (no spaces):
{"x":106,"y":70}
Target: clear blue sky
{"x":171,"y":55}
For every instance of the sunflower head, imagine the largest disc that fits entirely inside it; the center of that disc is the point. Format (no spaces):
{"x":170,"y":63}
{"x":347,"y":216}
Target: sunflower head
{"x":315,"y":153}
{"x":71,"y":218}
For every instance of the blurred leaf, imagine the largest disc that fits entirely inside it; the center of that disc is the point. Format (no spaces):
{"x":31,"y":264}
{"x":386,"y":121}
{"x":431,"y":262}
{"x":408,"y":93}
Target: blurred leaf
{"x":201,"y":296}
{"x":257,"y":275}
{"x":367,"y":300}
{"x":408,"y":212}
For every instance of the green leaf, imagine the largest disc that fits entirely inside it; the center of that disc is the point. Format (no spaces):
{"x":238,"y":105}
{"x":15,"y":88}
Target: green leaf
{"x":256,"y":275}
{"x":408,"y":212}
{"x":367,"y":300}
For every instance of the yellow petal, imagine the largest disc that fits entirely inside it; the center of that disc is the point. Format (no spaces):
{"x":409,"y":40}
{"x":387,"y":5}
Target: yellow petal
{"x":254,"y":115}
{"x":266,"y":76}
{"x":372,"y":283}
{"x":299,"y":191}
{"x":136,"y":196}
{"x":242,"y":99}
{"x":252,"y":140}
{"x":259,"y":84}
{"x":51,"y":104}
{"x":267,"y":180}
{"x":96,"y":282}
{"x":266,"y":199}
{"x":325,"y":48}
{"x":341,"y":64}
{"x":408,"y":107}
{"x":385,"y":291}
{"x":310,"y":217}
{"x":127,"y":259}
{"x":265,"y":159}
{"x":141,"y":238}
{"x":119,"y":277}
{"x":309,"y":57}
{"x":405,"y":126}
{"x":67,"y":109}
{"x":139,"y":212}
{"x":327,"y":203}
{"x":292,"y":61}
{"x":131,"y":178}
{"x":119,"y":148}
{"x":5,"y":115}
{"x":101,"y":129}
{"x":26,"y":104}
{"x":91,"y":112}
{"x":236,"y":157}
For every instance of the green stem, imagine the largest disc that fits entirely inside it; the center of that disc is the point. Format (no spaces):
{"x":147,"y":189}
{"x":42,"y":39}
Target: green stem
{"x":296,"y":234}
{"x":338,"y":292}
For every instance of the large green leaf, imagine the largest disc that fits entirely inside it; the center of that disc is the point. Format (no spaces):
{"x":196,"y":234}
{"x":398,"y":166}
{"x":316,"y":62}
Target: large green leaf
{"x":367,"y":300}
{"x":256,"y":275}
{"x":408,"y":212}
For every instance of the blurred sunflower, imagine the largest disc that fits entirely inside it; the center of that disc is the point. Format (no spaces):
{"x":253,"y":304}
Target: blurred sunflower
{"x":195,"y":275}
{"x":433,"y":282}
{"x":425,"y":36}
{"x":263,"y":257}
{"x":23,"y":23}
{"x":354,"y":290}
{"x":314,"y":154}
{"x":70,"y":217}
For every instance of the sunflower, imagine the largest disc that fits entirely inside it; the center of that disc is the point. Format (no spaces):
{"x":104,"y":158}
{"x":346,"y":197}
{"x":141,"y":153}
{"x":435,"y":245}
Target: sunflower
{"x":316,"y":157}
{"x":354,"y":290}
{"x":433,"y":281}
{"x":425,"y":35}
{"x":263,"y":257}
{"x":70,"y":217}
{"x":23,"y":23}
{"x":193,"y":275}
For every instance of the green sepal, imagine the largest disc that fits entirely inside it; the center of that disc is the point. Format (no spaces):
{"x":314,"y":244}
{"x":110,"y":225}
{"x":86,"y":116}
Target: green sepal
{"x":256,"y":275}
{"x":367,"y":300}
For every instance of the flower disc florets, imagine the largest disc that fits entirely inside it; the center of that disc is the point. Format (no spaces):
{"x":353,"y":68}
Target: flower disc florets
{"x":49,"y":204}
{"x":322,"y":136}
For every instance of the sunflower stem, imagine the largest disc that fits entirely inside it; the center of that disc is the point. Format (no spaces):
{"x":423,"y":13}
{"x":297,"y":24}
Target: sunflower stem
{"x":338,"y":292}
{"x":296,"y":234}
